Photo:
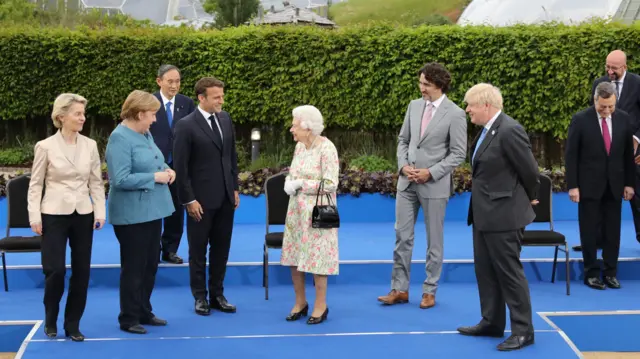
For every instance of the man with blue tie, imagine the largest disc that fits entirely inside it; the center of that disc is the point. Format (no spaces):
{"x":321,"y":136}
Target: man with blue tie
{"x":174,"y":107}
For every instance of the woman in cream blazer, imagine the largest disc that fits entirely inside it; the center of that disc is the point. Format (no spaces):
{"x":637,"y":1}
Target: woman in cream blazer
{"x":66,"y":200}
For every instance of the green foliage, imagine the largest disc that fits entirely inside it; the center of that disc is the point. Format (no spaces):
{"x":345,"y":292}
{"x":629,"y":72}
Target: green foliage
{"x":17,"y":156}
{"x":371,"y":163}
{"x":359,"y":77}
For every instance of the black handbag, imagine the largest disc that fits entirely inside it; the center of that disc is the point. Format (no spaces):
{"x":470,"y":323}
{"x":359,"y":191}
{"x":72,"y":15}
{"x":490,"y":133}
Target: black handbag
{"x":324,"y":216}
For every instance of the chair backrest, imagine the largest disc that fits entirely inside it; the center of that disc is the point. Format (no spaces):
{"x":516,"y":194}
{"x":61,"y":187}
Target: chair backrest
{"x":17,"y":192}
{"x":543,"y":209}
{"x":277,"y":199}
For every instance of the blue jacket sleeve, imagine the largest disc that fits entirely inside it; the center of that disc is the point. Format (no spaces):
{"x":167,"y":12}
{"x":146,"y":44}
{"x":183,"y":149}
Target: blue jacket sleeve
{"x":119,"y":166}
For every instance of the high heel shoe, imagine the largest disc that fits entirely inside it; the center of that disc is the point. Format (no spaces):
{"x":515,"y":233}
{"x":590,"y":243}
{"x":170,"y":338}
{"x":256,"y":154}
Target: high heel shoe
{"x":75,"y":335}
{"x":322,"y":318}
{"x":302,"y":313}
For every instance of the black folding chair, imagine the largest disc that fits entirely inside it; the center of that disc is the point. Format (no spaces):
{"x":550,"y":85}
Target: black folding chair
{"x":548,"y":238}
{"x":277,"y":201}
{"x":17,"y":217}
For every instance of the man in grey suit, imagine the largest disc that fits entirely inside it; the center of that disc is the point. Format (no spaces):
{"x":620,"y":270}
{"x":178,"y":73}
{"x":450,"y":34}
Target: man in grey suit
{"x":505,"y":180}
{"x":432,"y":142}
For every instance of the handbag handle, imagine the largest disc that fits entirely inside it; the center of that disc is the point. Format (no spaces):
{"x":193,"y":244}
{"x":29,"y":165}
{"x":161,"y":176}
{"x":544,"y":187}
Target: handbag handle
{"x":320,"y":188}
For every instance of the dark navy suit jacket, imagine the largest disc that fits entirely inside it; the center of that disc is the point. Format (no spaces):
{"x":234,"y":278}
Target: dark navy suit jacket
{"x":162,"y":134}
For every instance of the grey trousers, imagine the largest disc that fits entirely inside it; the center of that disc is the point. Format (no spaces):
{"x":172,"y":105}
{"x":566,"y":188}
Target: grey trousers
{"x":408,"y":203}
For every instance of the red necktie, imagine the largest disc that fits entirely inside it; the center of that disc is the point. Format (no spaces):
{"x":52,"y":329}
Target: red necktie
{"x":607,"y":137}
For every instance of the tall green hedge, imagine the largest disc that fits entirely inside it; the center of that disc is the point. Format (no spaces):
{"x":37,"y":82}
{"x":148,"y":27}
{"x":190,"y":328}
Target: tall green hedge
{"x":360,"y":77}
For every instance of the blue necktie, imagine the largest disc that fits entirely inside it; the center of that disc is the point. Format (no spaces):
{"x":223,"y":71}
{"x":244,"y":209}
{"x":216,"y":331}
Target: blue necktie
{"x":169,"y":113}
{"x":170,"y":119}
{"x":484,"y":132}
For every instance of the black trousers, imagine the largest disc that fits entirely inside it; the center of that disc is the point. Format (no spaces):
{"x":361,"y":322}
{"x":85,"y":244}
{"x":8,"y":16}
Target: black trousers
{"x":139,"y":251}
{"x":214,"y":230}
{"x":607,"y":211}
{"x":56,"y":229}
{"x":173,"y":225}
{"x":501,"y":280}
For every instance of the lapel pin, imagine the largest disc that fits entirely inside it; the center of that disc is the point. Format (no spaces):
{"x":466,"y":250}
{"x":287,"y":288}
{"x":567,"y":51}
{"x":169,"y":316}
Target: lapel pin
{"x":493,"y":132}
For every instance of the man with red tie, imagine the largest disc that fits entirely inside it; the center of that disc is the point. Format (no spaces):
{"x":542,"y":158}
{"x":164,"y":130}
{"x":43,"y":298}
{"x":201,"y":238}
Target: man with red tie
{"x":600,"y":172}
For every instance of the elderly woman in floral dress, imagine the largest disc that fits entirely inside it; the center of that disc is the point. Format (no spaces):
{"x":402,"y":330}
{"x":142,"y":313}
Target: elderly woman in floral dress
{"x":306,"y":249}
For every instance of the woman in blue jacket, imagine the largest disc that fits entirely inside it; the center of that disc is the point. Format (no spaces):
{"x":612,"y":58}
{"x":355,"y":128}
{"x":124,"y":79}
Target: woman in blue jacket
{"x":139,"y":199}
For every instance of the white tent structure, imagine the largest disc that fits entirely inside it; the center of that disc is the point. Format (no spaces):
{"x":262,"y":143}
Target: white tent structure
{"x":511,"y":12}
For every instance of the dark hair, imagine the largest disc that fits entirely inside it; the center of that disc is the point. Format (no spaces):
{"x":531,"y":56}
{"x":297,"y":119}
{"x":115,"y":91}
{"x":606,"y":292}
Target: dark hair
{"x":207,"y":82}
{"x":437,"y":75}
{"x":166,"y":68}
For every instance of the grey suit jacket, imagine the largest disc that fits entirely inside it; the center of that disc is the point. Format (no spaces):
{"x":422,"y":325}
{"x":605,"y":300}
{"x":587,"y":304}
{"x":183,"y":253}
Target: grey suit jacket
{"x":441,"y":149}
{"x":505,"y":179}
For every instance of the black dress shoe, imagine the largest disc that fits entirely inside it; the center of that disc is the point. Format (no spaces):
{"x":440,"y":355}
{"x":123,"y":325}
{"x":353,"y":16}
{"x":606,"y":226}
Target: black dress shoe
{"x":594,"y":283}
{"x":220,"y":303}
{"x":134,"y":329}
{"x":75,"y":335}
{"x":155,"y":321}
{"x":202,"y":307}
{"x":611,"y":282}
{"x":482,"y":331}
{"x":172,"y":258}
{"x":302,"y":313}
{"x":515,"y":342}
{"x":51,"y":331}
{"x":322,"y":318}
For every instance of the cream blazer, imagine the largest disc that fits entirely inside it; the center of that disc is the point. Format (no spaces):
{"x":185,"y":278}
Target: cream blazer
{"x":72,"y":179}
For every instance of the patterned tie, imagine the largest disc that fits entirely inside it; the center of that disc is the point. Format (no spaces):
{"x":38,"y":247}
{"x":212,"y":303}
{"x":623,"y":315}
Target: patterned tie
{"x":484,"y":133}
{"x":606,"y":136}
{"x":426,"y":117}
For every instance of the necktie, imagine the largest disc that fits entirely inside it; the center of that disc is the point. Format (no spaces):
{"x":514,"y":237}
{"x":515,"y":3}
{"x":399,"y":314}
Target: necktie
{"x":484,"y":133}
{"x":617,"y":89}
{"x":169,"y":113}
{"x":426,"y":117}
{"x":606,"y":136}
{"x":215,"y":125}
{"x":170,"y":119}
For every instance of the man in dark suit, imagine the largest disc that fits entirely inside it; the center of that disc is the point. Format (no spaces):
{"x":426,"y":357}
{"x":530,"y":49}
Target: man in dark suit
{"x":600,"y":171}
{"x":174,"y":107}
{"x":207,"y":177}
{"x":505,"y":180}
{"x":628,"y":94}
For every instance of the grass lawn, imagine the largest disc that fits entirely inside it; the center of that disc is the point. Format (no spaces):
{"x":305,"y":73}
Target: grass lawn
{"x":405,"y":12}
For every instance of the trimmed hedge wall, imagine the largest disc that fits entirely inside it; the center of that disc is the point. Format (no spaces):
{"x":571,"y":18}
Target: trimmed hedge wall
{"x":360,"y":77}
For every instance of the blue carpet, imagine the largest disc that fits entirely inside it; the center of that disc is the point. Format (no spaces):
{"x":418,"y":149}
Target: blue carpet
{"x":549,"y":344}
{"x":357,"y":324}
{"x":12,"y":336}
{"x":357,"y":241}
{"x":602,"y":332}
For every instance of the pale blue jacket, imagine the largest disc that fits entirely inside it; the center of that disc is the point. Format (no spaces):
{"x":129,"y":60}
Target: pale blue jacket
{"x":134,"y":196}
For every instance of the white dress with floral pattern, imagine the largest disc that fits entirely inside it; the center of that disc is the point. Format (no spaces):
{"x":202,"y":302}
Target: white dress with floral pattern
{"x":311,"y":250}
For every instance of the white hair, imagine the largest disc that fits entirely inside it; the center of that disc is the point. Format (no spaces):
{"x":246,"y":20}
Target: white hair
{"x":310,"y":118}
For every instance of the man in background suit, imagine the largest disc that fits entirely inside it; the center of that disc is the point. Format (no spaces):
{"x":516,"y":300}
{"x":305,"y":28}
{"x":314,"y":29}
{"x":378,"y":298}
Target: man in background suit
{"x":600,"y":171}
{"x":628,"y":94}
{"x":174,"y":107}
{"x":432,"y":142}
{"x":505,"y":180}
{"x":207,"y":176}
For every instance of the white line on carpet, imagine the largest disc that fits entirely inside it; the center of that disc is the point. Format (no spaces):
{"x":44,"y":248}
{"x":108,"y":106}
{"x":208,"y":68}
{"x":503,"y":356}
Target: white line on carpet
{"x":259,"y":336}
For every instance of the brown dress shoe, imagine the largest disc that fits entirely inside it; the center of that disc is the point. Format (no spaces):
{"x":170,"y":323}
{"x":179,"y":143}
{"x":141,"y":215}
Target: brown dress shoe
{"x":428,"y":301}
{"x":394,"y":297}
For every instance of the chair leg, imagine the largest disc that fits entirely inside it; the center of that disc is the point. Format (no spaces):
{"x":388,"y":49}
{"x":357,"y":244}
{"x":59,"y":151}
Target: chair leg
{"x":566,"y":252}
{"x":4,"y":273}
{"x":266,"y":274}
{"x":555,"y":264}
